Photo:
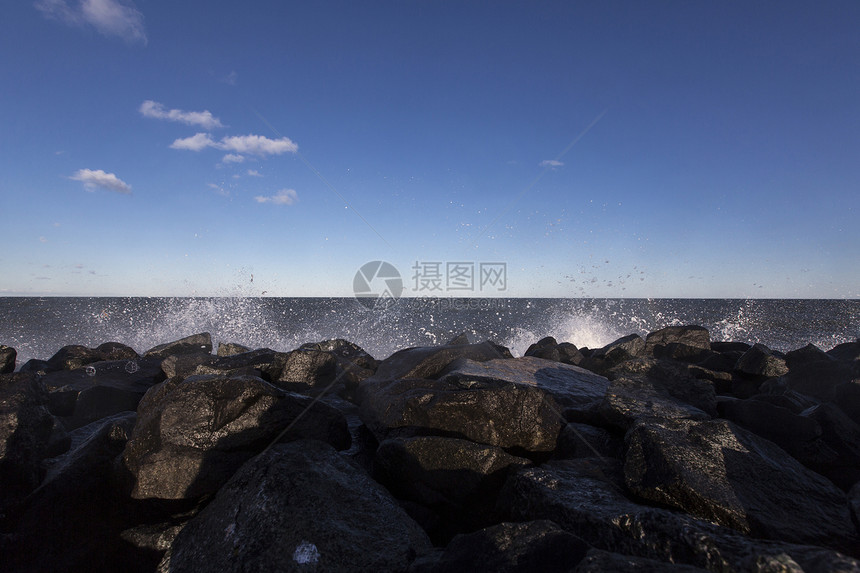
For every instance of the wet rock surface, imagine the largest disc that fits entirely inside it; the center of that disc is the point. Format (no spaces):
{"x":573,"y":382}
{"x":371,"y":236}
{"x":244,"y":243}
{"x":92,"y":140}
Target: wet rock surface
{"x":298,"y":506}
{"x":659,"y":449}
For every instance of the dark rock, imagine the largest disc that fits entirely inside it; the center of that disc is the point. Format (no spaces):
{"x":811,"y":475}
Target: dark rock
{"x":847,"y":397}
{"x":100,"y":389}
{"x":26,"y":430}
{"x":649,"y":387}
{"x":231,"y":348}
{"x":72,"y":357}
{"x":841,"y":435}
{"x":192,"y":435}
{"x":584,"y":441}
{"x":296,"y":507}
{"x":854,"y":502}
{"x":194,"y":344}
{"x":718,"y":471}
{"x":432,"y":361}
{"x":584,"y":497}
{"x":720,"y":361}
{"x":72,"y":521}
{"x":353,"y":364}
{"x":305,"y":370}
{"x":569,"y":354}
{"x":798,"y":435}
{"x":546,"y":348}
{"x":809,"y":354}
{"x":847,"y":351}
{"x":626,"y":348}
{"x":576,"y":390}
{"x":509,"y":548}
{"x":8,"y":355}
{"x":252,"y":363}
{"x":692,"y":336}
{"x":116,"y":351}
{"x":36,"y":366}
{"x":457,"y":479}
{"x":363,"y":444}
{"x":495,"y":413}
{"x":761,"y":361}
{"x":599,"y":561}
{"x":730,"y":347}
{"x":821,"y":379}
{"x":685,"y":353}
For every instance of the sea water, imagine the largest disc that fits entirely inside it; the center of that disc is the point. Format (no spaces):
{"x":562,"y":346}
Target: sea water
{"x":38,"y":327}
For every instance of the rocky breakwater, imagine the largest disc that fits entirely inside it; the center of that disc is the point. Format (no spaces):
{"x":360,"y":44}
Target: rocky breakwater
{"x":668,"y":450}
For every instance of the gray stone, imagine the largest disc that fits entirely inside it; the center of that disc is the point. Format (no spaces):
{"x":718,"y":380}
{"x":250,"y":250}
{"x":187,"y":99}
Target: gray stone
{"x":720,"y":472}
{"x":298,"y":507}
{"x":192,"y":435}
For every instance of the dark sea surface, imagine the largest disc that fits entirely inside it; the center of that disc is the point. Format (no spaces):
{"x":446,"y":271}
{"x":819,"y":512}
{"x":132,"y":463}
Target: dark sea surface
{"x":38,"y":327}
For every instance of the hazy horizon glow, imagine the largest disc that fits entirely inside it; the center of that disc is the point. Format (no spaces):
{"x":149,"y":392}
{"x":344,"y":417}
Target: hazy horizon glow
{"x":611,"y":150}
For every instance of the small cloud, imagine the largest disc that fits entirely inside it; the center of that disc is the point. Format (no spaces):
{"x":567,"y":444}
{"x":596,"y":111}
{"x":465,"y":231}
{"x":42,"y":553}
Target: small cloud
{"x":194,"y":143}
{"x":254,"y":173}
{"x":258,"y":145}
{"x":248,"y":144}
{"x":98,"y":178}
{"x":233,"y":158}
{"x":282,"y":197}
{"x":231,"y":78}
{"x":118,"y":18}
{"x":551,"y":163}
{"x":203,"y":119}
{"x":43,"y":240}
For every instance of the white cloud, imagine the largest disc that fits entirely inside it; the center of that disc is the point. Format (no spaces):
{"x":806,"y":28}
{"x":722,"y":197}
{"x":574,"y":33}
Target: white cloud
{"x":248,"y":144}
{"x":254,"y":173}
{"x":194,"y":143}
{"x":233,"y":158}
{"x":119,"y":18}
{"x":551,"y":163}
{"x":99,"y":179}
{"x":258,"y":145}
{"x":204,"y":118}
{"x":282,"y":197}
{"x":231,"y":78}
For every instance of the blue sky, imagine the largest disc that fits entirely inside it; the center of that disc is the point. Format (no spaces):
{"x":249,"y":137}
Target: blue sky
{"x":617,"y":149}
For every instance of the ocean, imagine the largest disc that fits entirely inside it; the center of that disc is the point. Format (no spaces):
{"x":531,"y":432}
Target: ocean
{"x":37,"y":327}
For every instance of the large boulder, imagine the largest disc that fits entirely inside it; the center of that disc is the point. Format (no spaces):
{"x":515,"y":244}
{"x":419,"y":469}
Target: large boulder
{"x":457,"y":479}
{"x":586,"y":498}
{"x":75,"y":356}
{"x":509,"y":548}
{"x":599,"y":561}
{"x":8,"y":355}
{"x":100,"y":389}
{"x":305,"y":370}
{"x":648,"y":387}
{"x":821,"y":379}
{"x":691,"y":336}
{"x":761,"y":362}
{"x":432,"y":361}
{"x":720,"y":472}
{"x":500,"y":412}
{"x":621,"y":350}
{"x":298,"y":507}
{"x":253,"y":362}
{"x":841,"y":436}
{"x":72,"y":522}
{"x":800,"y":436}
{"x":192,"y":435}
{"x":194,"y":344}
{"x":576,"y":390}
{"x":26,"y":430}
